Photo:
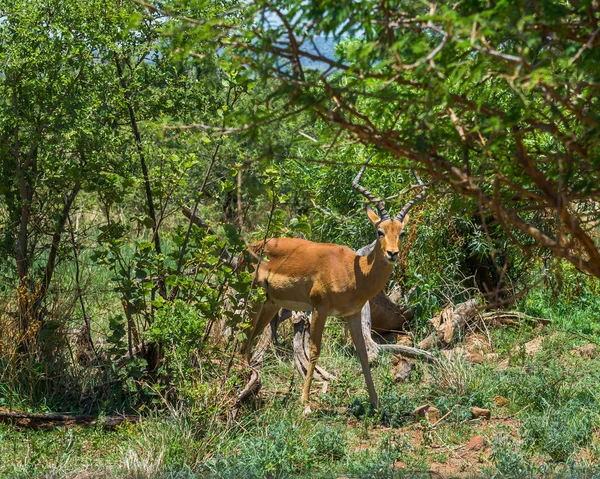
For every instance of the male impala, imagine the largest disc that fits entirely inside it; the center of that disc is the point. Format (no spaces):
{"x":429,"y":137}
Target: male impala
{"x":329,"y":280}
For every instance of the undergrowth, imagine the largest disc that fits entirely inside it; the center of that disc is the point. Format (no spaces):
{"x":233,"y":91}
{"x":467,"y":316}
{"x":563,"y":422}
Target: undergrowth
{"x":549,"y":426}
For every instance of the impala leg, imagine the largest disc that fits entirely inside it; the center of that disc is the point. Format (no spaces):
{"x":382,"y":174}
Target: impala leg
{"x":355,"y":326}
{"x":262,"y":317}
{"x":317,"y":324}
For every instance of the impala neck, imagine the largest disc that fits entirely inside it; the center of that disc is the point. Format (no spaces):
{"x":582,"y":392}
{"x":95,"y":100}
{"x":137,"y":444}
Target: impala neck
{"x":375,"y":270}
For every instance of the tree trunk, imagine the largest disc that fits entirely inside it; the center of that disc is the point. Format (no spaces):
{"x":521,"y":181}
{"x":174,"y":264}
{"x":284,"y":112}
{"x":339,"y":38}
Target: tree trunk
{"x":147,"y":186}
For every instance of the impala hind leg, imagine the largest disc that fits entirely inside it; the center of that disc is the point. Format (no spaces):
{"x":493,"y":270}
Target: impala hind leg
{"x":262,"y":316}
{"x":317,"y":324}
{"x":355,"y":326}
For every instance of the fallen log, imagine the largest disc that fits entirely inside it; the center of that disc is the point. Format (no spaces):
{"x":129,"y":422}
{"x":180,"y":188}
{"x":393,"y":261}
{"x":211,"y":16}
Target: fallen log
{"x":388,"y":316}
{"x":43,"y":420}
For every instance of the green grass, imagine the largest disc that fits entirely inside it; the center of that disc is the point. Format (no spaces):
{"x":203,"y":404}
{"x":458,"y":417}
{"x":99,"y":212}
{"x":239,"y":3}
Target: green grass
{"x":549,"y":428}
{"x":568,"y":298}
{"x":552,"y":430}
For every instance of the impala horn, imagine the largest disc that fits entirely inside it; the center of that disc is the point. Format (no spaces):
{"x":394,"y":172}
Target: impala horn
{"x":417,"y":199}
{"x":378,"y":202}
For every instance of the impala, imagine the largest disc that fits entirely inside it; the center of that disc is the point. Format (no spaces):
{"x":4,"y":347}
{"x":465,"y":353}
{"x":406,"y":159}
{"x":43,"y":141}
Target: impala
{"x":329,"y":280}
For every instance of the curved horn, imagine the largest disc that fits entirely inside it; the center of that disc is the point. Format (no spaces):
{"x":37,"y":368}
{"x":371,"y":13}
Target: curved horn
{"x":378,"y":202}
{"x":402,"y":213}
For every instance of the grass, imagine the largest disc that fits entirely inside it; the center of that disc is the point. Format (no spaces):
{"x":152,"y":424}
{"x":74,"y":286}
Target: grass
{"x":549,"y":426}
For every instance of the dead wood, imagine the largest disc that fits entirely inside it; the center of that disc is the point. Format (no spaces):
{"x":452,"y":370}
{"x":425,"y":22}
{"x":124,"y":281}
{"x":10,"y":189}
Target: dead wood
{"x":512,"y":318}
{"x":301,"y":349}
{"x":409,"y":352}
{"x":365,"y":321}
{"x":402,"y":371}
{"x":38,"y":420}
{"x":387,"y":316}
{"x":453,"y":319}
{"x":254,"y":383}
{"x":448,"y":322}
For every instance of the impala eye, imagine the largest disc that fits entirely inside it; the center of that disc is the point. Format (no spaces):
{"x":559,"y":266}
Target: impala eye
{"x":380,"y":233}
{"x":401,"y":235}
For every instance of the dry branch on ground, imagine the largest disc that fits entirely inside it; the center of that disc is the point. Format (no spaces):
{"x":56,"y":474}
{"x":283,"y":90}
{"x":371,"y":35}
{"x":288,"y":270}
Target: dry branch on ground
{"x":38,"y":420}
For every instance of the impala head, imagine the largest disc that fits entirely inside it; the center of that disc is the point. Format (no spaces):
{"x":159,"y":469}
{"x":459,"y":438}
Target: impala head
{"x":390,"y":232}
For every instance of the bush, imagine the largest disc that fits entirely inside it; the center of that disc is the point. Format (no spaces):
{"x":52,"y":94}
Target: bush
{"x":559,"y":432}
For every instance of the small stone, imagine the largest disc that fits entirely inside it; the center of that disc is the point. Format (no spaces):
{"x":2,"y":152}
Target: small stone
{"x":428,"y":412}
{"x":402,"y":372}
{"x":478,"y":412}
{"x":475,"y":444}
{"x":500,"y":401}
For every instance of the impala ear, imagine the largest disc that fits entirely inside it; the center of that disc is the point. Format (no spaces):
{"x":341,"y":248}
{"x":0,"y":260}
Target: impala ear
{"x":372,"y":215}
{"x":405,"y":221}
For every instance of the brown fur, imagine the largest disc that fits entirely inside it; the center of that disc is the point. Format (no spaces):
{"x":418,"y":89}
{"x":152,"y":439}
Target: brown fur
{"x":330,"y":280}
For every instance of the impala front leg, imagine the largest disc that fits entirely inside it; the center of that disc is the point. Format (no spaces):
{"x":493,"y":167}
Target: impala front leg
{"x":355,"y":326}
{"x":262,"y":315}
{"x":317,"y":324}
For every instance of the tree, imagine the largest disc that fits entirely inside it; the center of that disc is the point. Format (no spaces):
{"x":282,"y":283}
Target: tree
{"x":56,"y":129}
{"x":496,"y":100}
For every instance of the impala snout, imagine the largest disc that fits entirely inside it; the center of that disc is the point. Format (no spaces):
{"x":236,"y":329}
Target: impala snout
{"x":392,"y":256}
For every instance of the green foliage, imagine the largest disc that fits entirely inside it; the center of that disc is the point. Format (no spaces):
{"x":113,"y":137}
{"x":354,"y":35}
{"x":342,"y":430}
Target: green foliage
{"x":113,"y":115}
{"x":575,"y":303}
{"x":509,"y":461}
{"x":285,"y":448}
{"x":561,"y":431}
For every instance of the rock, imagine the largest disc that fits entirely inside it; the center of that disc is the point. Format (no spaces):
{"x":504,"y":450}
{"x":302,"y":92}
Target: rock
{"x":587,"y":351}
{"x":478,"y":412}
{"x":500,"y":401}
{"x":402,"y":371}
{"x":428,"y":412}
{"x":476,"y":444}
{"x":400,"y":465}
